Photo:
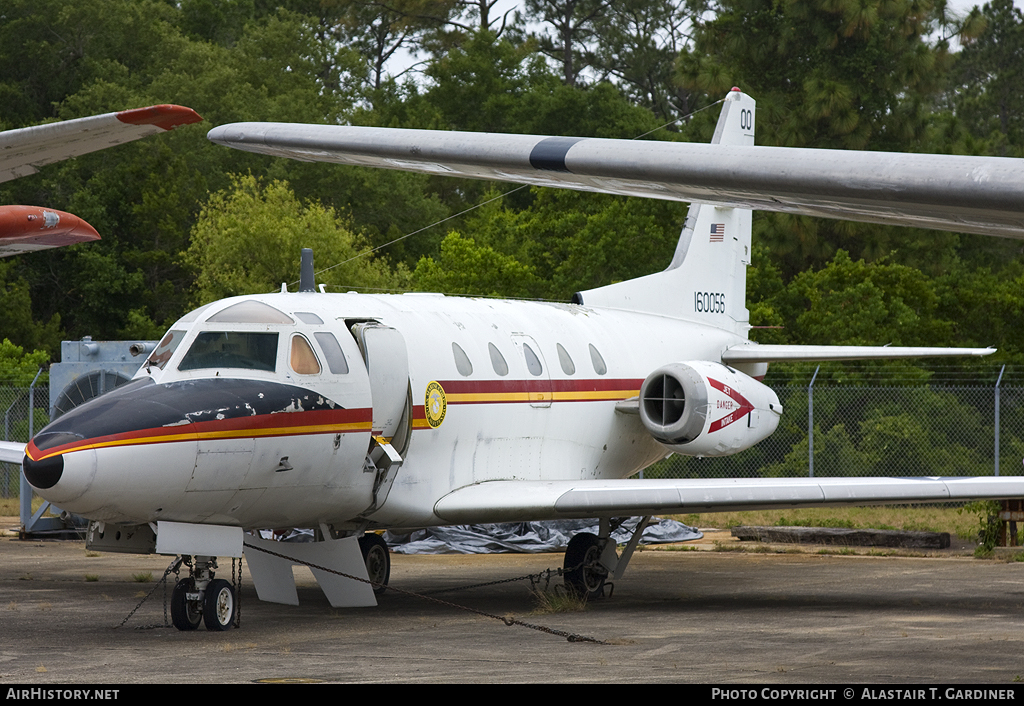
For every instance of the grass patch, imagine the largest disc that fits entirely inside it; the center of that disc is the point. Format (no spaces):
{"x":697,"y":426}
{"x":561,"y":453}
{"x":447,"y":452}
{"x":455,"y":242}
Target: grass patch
{"x":558,"y":601}
{"x":92,"y":577}
{"x":11,"y":507}
{"x":142,"y":577}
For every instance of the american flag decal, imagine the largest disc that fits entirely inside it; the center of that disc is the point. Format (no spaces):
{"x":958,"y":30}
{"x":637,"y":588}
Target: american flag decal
{"x":717,"y":232}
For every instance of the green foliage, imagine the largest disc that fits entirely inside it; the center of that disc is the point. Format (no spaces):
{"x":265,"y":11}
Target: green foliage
{"x":18,"y":368}
{"x":847,"y":74}
{"x":851,"y":303}
{"x":988,"y":85}
{"x":467,"y":268}
{"x":988,"y":524}
{"x":248,"y":240}
{"x":16,"y":316}
{"x":576,"y":241}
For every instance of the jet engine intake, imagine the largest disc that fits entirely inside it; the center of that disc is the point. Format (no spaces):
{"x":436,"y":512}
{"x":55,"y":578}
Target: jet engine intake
{"x":701,"y":408}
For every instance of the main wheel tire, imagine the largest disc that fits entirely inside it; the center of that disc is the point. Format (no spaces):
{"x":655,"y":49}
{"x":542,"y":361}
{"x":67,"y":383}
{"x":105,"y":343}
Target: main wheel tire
{"x":584,"y":576}
{"x":378,"y":561}
{"x":219,"y":606}
{"x":185,"y":614}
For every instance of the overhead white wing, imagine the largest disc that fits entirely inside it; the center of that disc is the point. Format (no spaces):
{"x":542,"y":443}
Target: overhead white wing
{"x":948,"y":192}
{"x":517,"y":501}
{"x":24,"y":150}
{"x":765,"y":353}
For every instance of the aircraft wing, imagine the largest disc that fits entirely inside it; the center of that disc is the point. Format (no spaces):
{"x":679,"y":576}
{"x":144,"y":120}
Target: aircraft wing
{"x":765,"y":353}
{"x":520,"y":501}
{"x":25,"y":150}
{"x":12,"y":451}
{"x":947,"y":192}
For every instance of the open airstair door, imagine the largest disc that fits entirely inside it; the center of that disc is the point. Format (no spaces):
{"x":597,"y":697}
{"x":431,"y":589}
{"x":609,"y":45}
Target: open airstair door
{"x":387,"y":363}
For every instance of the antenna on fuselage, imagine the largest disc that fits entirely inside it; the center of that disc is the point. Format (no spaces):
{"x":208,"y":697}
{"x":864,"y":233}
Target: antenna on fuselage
{"x":307,"y":278}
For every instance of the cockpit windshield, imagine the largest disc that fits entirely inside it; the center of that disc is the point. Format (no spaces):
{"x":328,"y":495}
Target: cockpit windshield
{"x":232,"y":349}
{"x":165,"y":349}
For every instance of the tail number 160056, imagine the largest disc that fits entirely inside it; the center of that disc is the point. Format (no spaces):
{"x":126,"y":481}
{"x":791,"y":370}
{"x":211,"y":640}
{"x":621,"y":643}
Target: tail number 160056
{"x":709,"y":302}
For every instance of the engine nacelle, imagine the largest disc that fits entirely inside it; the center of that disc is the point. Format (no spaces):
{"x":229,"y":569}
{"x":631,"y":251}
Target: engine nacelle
{"x":700,"y":408}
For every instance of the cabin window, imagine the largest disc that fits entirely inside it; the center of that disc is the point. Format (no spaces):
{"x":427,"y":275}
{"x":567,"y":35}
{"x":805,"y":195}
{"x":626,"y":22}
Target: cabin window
{"x":165,"y":349}
{"x":532,"y":361}
{"x":332,"y":352}
{"x":568,"y":367}
{"x":462,"y":360}
{"x":595,"y":357}
{"x":497,"y":360}
{"x":307,"y":317}
{"x":303,"y":359}
{"x":251,"y":312}
{"x":232,"y":349}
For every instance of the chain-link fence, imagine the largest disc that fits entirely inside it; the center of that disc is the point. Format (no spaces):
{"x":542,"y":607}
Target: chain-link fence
{"x":16,"y":403}
{"x":880,"y":423}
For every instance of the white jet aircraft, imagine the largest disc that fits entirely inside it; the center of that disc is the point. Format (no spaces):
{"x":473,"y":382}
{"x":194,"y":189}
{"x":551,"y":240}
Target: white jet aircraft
{"x":348,"y":413}
{"x":25,"y":150}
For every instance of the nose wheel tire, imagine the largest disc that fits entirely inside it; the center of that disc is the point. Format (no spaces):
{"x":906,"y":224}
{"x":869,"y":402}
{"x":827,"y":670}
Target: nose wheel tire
{"x":378,"y":561}
{"x":185,"y":614}
{"x":584,"y":576}
{"x":219,"y":606}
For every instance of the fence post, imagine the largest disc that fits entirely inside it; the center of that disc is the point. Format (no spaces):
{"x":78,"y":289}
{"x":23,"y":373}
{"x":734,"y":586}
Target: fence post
{"x":25,"y":498}
{"x":810,"y":424}
{"x":998,"y":380}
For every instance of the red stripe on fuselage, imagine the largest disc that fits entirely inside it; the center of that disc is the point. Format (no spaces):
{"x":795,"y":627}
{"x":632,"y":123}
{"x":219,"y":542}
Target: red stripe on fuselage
{"x":540,"y":385}
{"x":331,"y":421}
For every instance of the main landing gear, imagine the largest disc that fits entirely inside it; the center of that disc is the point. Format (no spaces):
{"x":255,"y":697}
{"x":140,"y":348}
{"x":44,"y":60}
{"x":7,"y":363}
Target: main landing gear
{"x":377,"y":559}
{"x":591,"y":559}
{"x":584,"y":574}
{"x":203,"y":598}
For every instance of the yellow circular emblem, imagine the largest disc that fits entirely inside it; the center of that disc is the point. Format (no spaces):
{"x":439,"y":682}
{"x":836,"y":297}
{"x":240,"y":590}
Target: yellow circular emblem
{"x":435,"y":405}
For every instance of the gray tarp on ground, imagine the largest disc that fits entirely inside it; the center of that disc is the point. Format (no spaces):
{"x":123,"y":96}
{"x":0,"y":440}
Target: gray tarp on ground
{"x":526,"y":537}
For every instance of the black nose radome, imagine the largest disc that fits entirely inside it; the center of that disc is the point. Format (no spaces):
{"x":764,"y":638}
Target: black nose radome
{"x":43,"y":474}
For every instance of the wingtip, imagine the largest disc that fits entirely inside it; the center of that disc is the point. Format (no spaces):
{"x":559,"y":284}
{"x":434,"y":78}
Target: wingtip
{"x":166,"y":117}
{"x":39,"y":228}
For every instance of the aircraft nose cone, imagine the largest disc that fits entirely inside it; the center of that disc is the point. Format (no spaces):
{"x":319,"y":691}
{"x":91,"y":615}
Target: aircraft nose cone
{"x":60,"y":477}
{"x":44,"y":474}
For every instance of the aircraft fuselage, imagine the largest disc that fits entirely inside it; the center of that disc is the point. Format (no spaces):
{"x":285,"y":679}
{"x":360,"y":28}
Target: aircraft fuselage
{"x":247,"y":416}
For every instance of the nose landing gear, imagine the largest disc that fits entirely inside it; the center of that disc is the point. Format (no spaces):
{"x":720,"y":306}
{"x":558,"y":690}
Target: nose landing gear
{"x":186,"y":613}
{"x":203,"y":598}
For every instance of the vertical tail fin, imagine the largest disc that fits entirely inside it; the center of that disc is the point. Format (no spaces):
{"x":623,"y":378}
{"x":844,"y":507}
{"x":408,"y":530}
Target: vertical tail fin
{"x":707,"y":278}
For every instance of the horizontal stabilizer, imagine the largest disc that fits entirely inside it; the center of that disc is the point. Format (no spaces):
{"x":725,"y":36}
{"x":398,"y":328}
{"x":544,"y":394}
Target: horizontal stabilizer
{"x":948,"y":192}
{"x":520,"y":501}
{"x":754,"y":353}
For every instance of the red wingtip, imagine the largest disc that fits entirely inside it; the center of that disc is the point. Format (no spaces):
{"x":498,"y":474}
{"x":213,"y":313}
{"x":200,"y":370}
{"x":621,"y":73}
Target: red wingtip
{"x":163,"y":116}
{"x":42,"y":227}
